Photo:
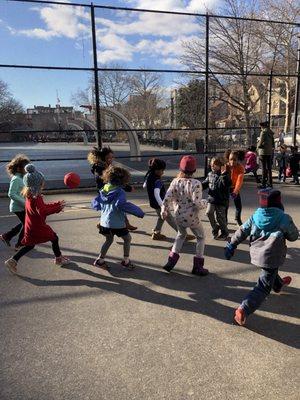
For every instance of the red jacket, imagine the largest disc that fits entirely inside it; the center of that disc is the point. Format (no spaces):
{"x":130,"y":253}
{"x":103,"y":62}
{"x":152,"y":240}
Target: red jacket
{"x":36,"y":230}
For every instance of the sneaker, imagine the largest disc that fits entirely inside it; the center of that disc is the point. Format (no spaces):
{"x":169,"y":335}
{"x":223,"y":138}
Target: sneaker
{"x":11,"y":265}
{"x":223,"y":236}
{"x":285,"y":282}
{"x":61,"y":261}
{"x":100,"y":264}
{"x":189,"y":238}
{"x":240,"y":316}
{"x":158,"y":236}
{"x":127,"y":265}
{"x":7,"y":242}
{"x":131,"y":227}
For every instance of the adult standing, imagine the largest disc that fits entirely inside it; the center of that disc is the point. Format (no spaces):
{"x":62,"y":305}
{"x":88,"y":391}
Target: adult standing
{"x":265,"y":147}
{"x":281,"y":137}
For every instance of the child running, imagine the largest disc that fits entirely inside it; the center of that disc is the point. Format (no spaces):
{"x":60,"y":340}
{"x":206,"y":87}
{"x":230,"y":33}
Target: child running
{"x":36,"y":230}
{"x":269,"y":228}
{"x":185,"y":197}
{"x":251,"y":164}
{"x":16,"y":171}
{"x":113,"y":205}
{"x":218,"y":183}
{"x":100,"y":160}
{"x":156,"y":193}
{"x":237,"y":172}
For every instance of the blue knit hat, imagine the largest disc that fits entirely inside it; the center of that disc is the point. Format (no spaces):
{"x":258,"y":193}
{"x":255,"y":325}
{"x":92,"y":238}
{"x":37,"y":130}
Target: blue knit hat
{"x":33,"y":179}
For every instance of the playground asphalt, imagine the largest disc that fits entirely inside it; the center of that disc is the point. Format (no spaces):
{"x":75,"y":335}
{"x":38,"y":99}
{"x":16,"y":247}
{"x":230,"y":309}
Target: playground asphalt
{"x":79,"y":332}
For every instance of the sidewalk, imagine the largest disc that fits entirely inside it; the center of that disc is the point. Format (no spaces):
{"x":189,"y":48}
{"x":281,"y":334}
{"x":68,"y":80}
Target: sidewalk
{"x":82,"y":333}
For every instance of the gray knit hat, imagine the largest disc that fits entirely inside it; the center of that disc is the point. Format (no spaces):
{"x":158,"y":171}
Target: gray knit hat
{"x":33,"y":179}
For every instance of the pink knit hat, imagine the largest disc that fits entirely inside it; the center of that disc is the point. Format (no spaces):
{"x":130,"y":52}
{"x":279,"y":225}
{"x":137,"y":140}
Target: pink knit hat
{"x":188,"y":164}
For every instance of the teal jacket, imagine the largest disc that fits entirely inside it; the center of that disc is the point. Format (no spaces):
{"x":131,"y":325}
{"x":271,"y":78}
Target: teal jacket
{"x":268,"y":228}
{"x":17,"y":201}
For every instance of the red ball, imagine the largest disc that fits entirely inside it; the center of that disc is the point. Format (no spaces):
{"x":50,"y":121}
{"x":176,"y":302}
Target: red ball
{"x":72,"y":180}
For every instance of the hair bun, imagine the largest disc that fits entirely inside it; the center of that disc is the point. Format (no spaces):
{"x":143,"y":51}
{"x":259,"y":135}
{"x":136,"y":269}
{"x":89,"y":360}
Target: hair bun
{"x":30,"y":168}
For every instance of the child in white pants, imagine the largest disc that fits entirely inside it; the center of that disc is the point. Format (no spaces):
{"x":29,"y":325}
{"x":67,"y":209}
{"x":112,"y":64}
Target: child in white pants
{"x":185,"y":197}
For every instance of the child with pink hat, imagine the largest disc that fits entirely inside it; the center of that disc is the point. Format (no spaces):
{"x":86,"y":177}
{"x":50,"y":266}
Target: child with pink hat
{"x":184,"y":196}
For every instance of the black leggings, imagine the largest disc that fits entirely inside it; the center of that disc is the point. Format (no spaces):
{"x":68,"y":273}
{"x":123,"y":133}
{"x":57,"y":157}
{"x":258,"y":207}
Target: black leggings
{"x":238,"y":208}
{"x":26,"y":249}
{"x":18,"y":229}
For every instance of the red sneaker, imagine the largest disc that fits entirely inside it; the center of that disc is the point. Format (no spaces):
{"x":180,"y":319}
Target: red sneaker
{"x":285,"y":282}
{"x":240,"y":316}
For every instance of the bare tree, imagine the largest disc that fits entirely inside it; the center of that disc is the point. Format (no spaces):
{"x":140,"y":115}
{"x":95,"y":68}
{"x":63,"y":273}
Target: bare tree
{"x":9,"y":107}
{"x":114,"y":88}
{"x":281,"y":44}
{"x":234,"y":48}
{"x":143,"y":106}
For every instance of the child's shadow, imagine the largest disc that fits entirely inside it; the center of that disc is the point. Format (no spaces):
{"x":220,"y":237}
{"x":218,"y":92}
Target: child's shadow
{"x":207,"y":295}
{"x":241,"y":256}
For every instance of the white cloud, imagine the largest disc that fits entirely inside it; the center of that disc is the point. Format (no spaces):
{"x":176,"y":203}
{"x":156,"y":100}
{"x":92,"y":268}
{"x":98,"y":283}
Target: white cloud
{"x":153,"y":24}
{"x":60,"y":21}
{"x":151,"y":34}
{"x":34,"y":33}
{"x":172,"y":61}
{"x":197,"y":6}
{"x":114,"y":48}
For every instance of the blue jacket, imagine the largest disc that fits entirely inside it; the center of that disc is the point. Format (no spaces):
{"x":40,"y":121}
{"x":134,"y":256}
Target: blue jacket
{"x":268,"y":228}
{"x":114,"y":207}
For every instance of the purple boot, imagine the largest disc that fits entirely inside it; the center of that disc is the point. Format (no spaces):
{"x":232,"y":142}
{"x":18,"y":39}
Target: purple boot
{"x":172,"y":260}
{"x":198,"y":267}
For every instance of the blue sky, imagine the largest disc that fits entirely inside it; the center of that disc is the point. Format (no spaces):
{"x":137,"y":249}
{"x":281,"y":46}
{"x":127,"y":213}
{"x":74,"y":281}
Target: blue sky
{"x":60,"y":36}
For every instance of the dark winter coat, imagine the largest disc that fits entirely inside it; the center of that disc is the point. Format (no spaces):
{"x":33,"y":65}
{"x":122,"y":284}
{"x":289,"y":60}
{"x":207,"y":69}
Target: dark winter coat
{"x":266,"y":142}
{"x":218,"y":188}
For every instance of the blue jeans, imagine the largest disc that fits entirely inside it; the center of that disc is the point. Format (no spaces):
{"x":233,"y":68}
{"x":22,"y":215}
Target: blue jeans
{"x":268,"y":280}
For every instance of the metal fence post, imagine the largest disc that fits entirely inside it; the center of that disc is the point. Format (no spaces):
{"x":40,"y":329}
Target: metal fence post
{"x":206,"y":83}
{"x":297,"y":95}
{"x":96,"y":80}
{"x":270,"y":97}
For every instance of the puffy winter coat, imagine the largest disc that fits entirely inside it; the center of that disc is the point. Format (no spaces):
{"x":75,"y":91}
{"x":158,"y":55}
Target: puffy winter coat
{"x":268,"y":228}
{"x":114,"y":207}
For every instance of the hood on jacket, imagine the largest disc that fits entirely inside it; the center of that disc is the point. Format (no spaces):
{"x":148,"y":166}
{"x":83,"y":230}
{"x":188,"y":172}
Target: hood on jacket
{"x":268,"y":219}
{"x":109,"y":193}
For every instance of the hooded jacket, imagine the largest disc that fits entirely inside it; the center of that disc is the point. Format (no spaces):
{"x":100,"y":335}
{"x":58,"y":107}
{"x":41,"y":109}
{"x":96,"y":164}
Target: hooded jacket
{"x":218,"y":185}
{"x":268,"y":228}
{"x":114,"y":206}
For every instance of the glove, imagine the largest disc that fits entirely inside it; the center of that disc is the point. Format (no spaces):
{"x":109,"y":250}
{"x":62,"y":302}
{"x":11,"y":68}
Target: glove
{"x":229,"y":251}
{"x":233,"y":195}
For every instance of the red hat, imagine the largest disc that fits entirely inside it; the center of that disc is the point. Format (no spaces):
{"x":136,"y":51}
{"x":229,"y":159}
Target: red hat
{"x":188,"y":164}
{"x":270,"y":198}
